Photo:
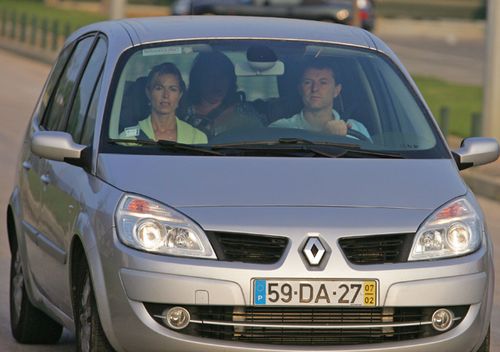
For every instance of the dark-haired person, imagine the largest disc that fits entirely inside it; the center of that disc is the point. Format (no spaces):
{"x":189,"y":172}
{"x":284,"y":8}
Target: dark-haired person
{"x":164,"y":89}
{"x":318,"y":89}
{"x":212,"y":102}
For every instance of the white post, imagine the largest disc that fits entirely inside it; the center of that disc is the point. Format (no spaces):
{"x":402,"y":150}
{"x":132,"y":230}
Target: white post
{"x":491,"y":102}
{"x":117,"y":9}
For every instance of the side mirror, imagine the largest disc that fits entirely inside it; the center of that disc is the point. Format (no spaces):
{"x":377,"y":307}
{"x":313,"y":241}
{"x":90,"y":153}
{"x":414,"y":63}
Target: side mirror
{"x":58,"y":146}
{"x":476,"y":151}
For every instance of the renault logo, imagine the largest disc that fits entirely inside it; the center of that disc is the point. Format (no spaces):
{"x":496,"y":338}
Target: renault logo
{"x":314,"y":251}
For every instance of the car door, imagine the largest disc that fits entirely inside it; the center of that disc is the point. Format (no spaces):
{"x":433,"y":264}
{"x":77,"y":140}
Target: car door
{"x":31,"y":169}
{"x":59,"y":205}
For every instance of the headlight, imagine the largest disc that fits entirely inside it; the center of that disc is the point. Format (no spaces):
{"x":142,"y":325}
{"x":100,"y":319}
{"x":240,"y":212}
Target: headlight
{"x":149,"y":226}
{"x":451,"y":231}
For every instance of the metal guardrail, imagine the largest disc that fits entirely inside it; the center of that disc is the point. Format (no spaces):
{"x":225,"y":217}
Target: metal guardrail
{"x":35,"y":32}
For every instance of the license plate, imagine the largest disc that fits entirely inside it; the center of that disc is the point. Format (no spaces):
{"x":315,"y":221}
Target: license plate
{"x":315,"y":292}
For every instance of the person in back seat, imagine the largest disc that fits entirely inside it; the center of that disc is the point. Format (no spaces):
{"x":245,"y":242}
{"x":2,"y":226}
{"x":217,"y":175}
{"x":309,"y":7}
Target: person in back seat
{"x":212,"y":102}
{"x":164,"y":89}
{"x":318,"y":90}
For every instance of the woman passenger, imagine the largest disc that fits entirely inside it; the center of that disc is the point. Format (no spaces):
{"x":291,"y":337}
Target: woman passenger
{"x":164,"y":89}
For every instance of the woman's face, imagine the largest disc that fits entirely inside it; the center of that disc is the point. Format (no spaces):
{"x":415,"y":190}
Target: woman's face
{"x":164,"y":94}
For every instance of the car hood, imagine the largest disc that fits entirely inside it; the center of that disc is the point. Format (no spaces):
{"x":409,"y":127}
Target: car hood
{"x":200,"y":181}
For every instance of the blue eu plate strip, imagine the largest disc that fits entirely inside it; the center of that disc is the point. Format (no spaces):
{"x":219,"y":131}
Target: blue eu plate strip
{"x":260,"y":292}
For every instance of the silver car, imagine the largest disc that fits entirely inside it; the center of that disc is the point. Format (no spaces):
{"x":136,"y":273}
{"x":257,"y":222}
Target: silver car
{"x":313,"y":205}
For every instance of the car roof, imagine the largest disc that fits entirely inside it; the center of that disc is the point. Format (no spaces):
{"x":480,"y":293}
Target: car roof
{"x":155,"y":29}
{"x":130,"y":32}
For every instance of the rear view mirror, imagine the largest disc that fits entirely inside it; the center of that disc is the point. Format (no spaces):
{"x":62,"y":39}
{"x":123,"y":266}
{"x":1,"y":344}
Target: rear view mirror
{"x":260,"y":69}
{"x":261,"y":61}
{"x":476,"y":151}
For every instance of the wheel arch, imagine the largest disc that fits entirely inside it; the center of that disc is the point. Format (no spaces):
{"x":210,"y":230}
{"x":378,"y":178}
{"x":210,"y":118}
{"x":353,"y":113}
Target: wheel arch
{"x":77,"y":255}
{"x":83,"y":251}
{"x":18,"y":242}
{"x":11,"y":228}
{"x":13,"y":208}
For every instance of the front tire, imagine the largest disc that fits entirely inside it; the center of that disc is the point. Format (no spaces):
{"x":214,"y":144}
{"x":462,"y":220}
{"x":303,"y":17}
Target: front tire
{"x":28,"y":324}
{"x":89,"y":333}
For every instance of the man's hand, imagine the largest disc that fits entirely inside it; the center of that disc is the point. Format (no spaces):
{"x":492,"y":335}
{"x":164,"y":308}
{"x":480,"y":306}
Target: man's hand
{"x":338,"y":127}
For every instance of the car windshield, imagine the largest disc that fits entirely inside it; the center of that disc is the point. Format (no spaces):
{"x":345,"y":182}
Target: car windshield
{"x":265,"y":98}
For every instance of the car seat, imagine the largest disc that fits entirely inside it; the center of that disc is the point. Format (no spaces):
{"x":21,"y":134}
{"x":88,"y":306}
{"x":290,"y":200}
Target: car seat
{"x":135,"y":104}
{"x":289,"y":101}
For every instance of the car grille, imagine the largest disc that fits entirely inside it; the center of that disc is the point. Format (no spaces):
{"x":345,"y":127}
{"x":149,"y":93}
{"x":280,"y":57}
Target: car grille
{"x":322,"y":326}
{"x":264,"y":249}
{"x":378,"y":249}
{"x":246,"y":248}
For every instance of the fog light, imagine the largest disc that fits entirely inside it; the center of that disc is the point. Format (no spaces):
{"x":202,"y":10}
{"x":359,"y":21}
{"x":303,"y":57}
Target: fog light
{"x":442,"y":319}
{"x":176,"y":318}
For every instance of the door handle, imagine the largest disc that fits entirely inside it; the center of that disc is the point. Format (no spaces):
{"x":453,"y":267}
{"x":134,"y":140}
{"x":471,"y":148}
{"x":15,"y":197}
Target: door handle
{"x":27,"y":165}
{"x":45,"y":179}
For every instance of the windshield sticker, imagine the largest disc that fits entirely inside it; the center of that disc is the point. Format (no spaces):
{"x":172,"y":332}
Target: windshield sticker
{"x":169,"y":50}
{"x":131,"y":131}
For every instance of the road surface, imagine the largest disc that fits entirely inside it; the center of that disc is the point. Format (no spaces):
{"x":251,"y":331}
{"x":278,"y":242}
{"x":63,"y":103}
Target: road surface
{"x":21,"y":82}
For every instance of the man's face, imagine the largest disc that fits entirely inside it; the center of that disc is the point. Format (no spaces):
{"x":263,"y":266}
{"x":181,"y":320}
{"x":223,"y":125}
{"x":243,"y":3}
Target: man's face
{"x":318,"y":89}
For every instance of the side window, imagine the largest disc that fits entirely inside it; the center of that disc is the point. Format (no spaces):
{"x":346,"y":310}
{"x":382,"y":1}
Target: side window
{"x":85,"y":89}
{"x":53,"y":78}
{"x":60,"y":99}
{"x":88,"y":129}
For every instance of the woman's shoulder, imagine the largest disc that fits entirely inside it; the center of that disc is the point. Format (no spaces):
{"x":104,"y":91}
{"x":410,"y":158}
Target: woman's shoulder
{"x":187,"y":131}
{"x":185,"y":125}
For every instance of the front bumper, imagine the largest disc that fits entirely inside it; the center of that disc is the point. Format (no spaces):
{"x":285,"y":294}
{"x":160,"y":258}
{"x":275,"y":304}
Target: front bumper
{"x":134,"y":279}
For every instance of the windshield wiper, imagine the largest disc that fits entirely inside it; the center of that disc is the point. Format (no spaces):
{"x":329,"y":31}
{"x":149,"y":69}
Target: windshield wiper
{"x":351,"y":149}
{"x":283,"y":146}
{"x":284,"y":142}
{"x":170,"y":146}
{"x":293,"y":145}
{"x":302,"y":141}
{"x":188,"y":147}
{"x":360,"y":153}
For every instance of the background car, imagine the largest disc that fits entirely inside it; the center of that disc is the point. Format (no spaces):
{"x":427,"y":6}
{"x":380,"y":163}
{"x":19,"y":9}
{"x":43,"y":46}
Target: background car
{"x":353,"y":12}
{"x":251,"y":238}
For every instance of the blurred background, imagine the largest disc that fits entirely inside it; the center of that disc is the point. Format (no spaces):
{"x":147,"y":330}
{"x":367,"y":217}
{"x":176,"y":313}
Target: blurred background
{"x":448,"y":46}
{"x":441,"y":42}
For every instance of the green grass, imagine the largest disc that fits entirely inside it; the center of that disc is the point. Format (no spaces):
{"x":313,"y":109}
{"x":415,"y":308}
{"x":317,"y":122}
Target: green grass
{"x":462,"y":101}
{"x":76,"y":19}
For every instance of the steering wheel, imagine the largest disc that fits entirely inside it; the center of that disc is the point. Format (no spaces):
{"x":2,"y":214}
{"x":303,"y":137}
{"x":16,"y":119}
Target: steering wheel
{"x":357,"y":135}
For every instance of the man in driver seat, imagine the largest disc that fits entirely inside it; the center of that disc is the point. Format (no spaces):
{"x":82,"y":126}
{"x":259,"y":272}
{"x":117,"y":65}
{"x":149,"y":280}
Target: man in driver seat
{"x":318,"y":90}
